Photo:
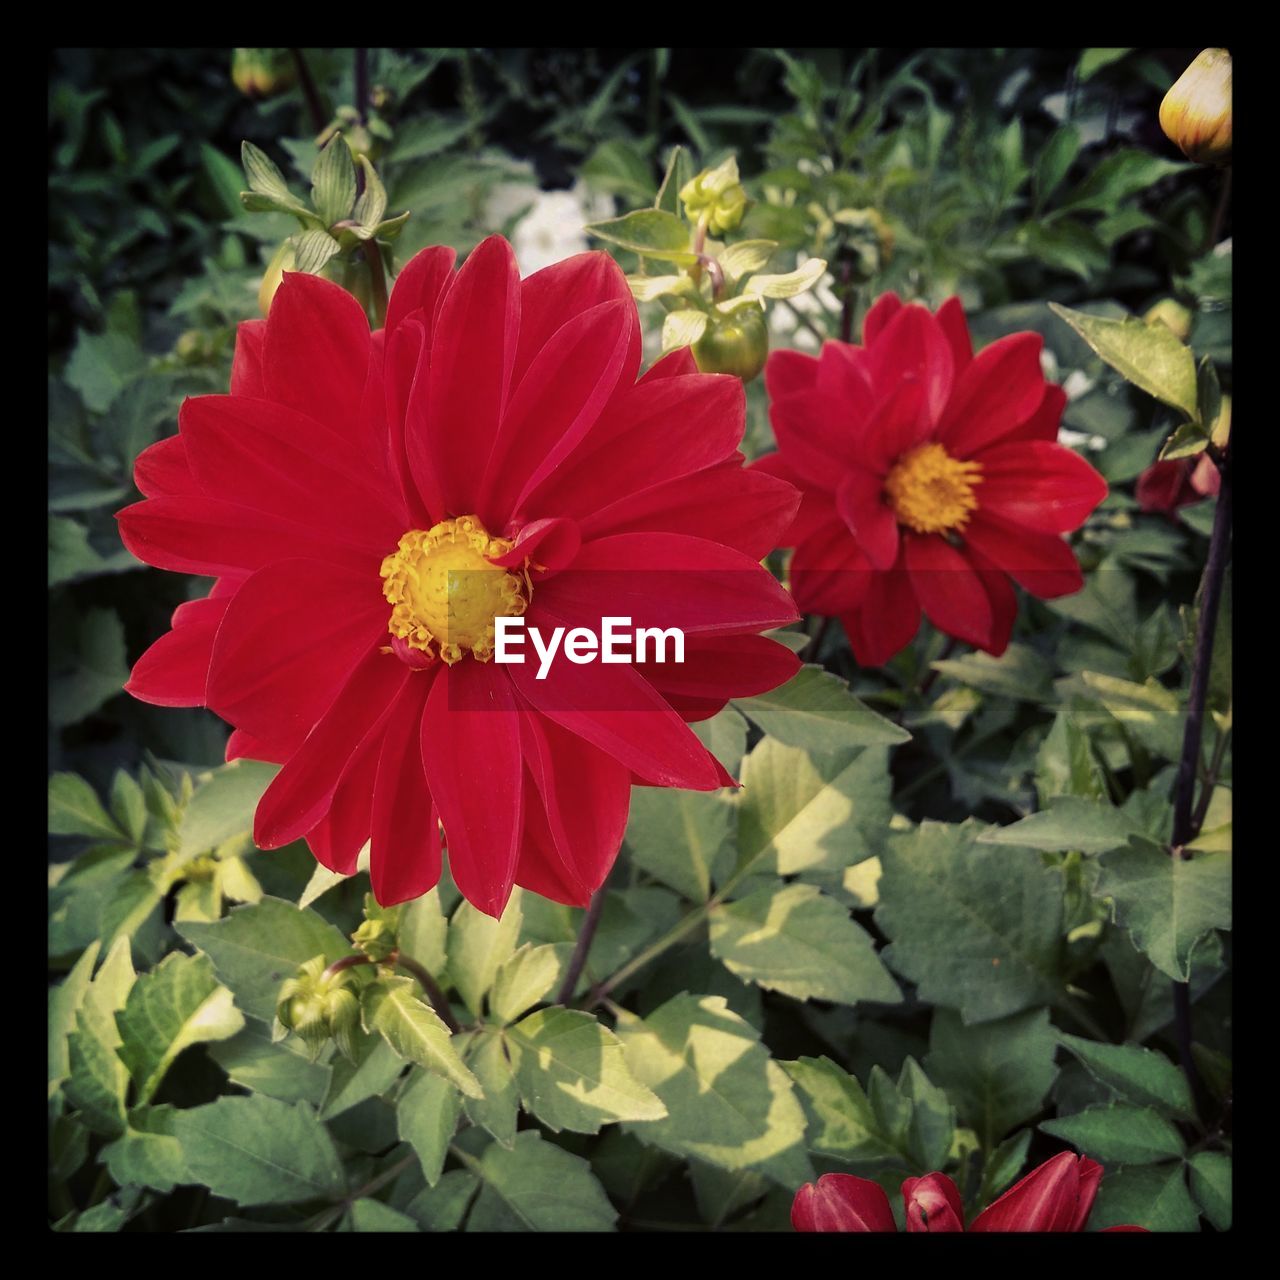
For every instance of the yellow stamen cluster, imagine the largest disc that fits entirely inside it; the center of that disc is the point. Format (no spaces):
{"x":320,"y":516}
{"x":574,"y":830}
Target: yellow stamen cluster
{"x":444,"y":593}
{"x":932,"y":492}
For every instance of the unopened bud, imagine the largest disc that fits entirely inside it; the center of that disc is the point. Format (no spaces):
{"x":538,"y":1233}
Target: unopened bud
{"x":1196,"y":112}
{"x":717,"y":196}
{"x":317,"y":1005}
{"x":1173,"y":315}
{"x":262,"y":73}
{"x":376,"y":939}
{"x":283,"y":260}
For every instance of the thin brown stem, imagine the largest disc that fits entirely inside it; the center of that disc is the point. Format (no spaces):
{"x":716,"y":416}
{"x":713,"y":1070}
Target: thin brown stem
{"x":1220,"y":212}
{"x":319,"y":117}
{"x":362,"y":82}
{"x":347,"y":962}
{"x":582,"y":948}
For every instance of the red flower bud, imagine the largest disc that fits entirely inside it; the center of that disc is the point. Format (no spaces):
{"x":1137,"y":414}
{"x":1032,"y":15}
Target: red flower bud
{"x":841,"y":1202}
{"x":932,"y":1204}
{"x":1055,"y":1196}
{"x":1174,"y":483}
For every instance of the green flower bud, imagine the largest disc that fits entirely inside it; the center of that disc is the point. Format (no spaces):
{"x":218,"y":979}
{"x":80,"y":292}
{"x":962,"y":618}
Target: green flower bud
{"x":1173,"y":315}
{"x":376,"y":939}
{"x":737,"y":343}
{"x":317,"y":1005}
{"x":717,"y":196}
{"x":200,"y":869}
{"x":1196,"y":112}
{"x":342,"y":1011}
{"x":262,"y":73}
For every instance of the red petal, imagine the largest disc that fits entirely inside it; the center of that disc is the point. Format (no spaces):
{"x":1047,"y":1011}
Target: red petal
{"x":472,"y":353}
{"x":1045,"y":1200}
{"x":1041,"y":563}
{"x":842,"y":1202}
{"x":244,"y":746}
{"x":654,"y":431}
{"x":404,"y":856}
{"x":554,"y":296}
{"x":1044,"y":423}
{"x":564,"y":391}
{"x":407,"y":362}
{"x":267,"y":457}
{"x":675,"y":364}
{"x":887,"y":619}
{"x":829,"y":573}
{"x":816,"y":507}
{"x":316,"y":354}
{"x":913,"y":347}
{"x":616,"y":709}
{"x":786,"y":372}
{"x":723,"y":667}
{"x":290,"y":639}
{"x":860,"y":502}
{"x":471,"y":754}
{"x":951,"y":320}
{"x":932,"y":1204}
{"x":997,"y":393}
{"x":420,"y":286}
{"x":246,"y":364}
{"x":338,"y":838}
{"x":175,"y":669}
{"x":882,"y":311}
{"x":844,"y":373}
{"x":815,"y":436}
{"x":205,"y":536}
{"x":162,"y":470}
{"x":550,"y":544}
{"x":949,"y":591}
{"x":302,"y":792}
{"x":1042,"y":486}
{"x":1090,"y":1174}
{"x":1000,"y":596}
{"x":540,"y":868}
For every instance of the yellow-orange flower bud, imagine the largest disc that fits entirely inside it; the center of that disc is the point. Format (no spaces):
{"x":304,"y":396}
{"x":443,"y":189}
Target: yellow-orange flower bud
{"x":1196,"y":112}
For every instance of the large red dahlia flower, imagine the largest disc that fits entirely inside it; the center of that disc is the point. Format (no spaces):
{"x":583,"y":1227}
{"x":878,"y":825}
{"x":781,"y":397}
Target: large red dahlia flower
{"x":368,"y":503}
{"x":931,"y":476}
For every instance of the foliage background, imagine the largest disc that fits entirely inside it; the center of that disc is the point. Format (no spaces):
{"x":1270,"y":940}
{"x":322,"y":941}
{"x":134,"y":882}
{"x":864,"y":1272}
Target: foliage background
{"x":870,"y":967}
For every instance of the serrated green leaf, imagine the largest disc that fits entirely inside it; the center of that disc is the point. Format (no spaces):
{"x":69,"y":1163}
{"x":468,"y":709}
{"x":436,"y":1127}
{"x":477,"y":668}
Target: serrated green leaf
{"x":1020,"y":672}
{"x":258,"y":1150}
{"x":528,"y":977}
{"x":727,"y":1101}
{"x":75,"y":810}
{"x":373,"y":1071}
{"x":978,"y":927}
{"x":176,"y":1005}
{"x":1068,"y":823}
{"x":495,"y":1112}
{"x":572,"y":1074}
{"x":1151,"y":1196}
{"x":148,"y":1154}
{"x":414,"y":1030}
{"x":251,"y":1060}
{"x":1140,"y":1076}
{"x":223,"y":806}
{"x":1152,"y":357}
{"x":535,"y":1186}
{"x":1211,"y":1186}
{"x":478,"y":946}
{"x":427,"y":1114}
{"x":1167,"y":903}
{"x":816,"y":711}
{"x":1119,"y":1134}
{"x":683,"y":838}
{"x":64,"y":1004}
{"x":997,"y":1072}
{"x":255,"y":948}
{"x":792,"y":938}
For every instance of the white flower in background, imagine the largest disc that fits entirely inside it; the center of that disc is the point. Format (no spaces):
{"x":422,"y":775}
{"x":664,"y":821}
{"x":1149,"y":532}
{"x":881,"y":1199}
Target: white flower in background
{"x":552,"y":229}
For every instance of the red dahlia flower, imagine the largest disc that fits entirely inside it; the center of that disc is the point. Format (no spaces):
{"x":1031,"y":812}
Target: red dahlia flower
{"x":367,"y":504}
{"x":1055,"y":1196}
{"x":931,"y":476}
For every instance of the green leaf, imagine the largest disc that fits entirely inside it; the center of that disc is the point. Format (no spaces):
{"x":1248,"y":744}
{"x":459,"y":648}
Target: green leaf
{"x":372,"y":203}
{"x":261,"y":173}
{"x":528,"y":977}
{"x":100,"y":673}
{"x":177,"y":1004}
{"x":255,"y":948}
{"x":1167,"y":903}
{"x":1055,"y":161}
{"x":816,"y":711}
{"x":792,"y":938}
{"x":1068,"y":823}
{"x":1211,"y":1186}
{"x":910,"y":1124}
{"x":426,"y":1115}
{"x":373,"y":1215}
{"x":414,"y":1030}
{"x":424,"y":931}
{"x":652,"y":233}
{"x":487,"y":1057}
{"x":98,"y":1081}
{"x":75,"y":810}
{"x":64,"y":1004}
{"x":683,"y":838}
{"x":478,"y":947}
{"x":787,"y":284}
{"x":976,"y":926}
{"x":801,"y":812}
{"x":312,"y":249}
{"x":374,"y":1069}
{"x":1151,"y":1196}
{"x":443,"y":1207}
{"x":535,"y":1186}
{"x":1115,"y":180}
{"x":251,"y":1060}
{"x":102,"y":365}
{"x":1119,"y":1134}
{"x":1093,"y":60}
{"x":1020,"y":672}
{"x":148,"y":1154}
{"x":727,"y":1101}
{"x":997,"y":1072}
{"x":333,"y":181}
{"x":129,"y":806}
{"x":745,"y":257}
{"x":1152,"y":357}
{"x":1137,"y":1075}
{"x":258,"y":1150}
{"x":572,"y":1074}
{"x":223,"y":807}
{"x":683,"y":329}
{"x":1149,"y":711}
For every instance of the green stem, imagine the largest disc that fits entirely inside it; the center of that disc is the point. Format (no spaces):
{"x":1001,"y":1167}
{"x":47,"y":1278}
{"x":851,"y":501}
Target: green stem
{"x":378,"y":277}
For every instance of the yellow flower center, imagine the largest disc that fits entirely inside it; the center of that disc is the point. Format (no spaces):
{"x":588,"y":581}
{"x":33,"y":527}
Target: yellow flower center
{"x":444,"y":593}
{"x":930,"y":491}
